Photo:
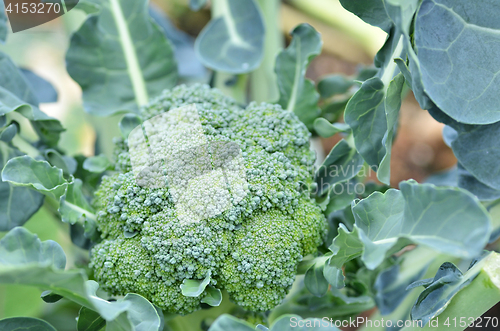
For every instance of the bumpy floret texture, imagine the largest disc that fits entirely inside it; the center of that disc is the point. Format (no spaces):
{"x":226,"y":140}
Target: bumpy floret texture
{"x":249,"y":242}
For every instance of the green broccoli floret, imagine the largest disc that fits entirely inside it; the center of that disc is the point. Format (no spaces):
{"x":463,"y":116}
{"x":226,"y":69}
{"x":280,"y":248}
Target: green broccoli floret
{"x":249,"y":238}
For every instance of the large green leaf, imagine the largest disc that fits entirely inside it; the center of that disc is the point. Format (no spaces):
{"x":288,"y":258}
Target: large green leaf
{"x":3,"y":23}
{"x":17,"y":204}
{"x":298,"y":94}
{"x":371,"y":11}
{"x":233,"y":41}
{"x":447,"y":220}
{"x":471,"y":143}
{"x":120,"y":58}
{"x":25,"y":260}
{"x":25,"y":323}
{"x":459,"y":70}
{"x":38,"y":175}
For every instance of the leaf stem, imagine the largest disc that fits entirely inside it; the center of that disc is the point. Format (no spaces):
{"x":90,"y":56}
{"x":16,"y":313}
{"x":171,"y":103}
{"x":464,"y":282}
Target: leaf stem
{"x":472,"y":301}
{"x":25,"y":146}
{"x":391,"y":66}
{"x":134,"y":69}
{"x":263,"y":81}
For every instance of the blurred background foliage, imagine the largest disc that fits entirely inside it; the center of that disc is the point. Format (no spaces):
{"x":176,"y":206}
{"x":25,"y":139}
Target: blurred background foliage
{"x":349,"y":44}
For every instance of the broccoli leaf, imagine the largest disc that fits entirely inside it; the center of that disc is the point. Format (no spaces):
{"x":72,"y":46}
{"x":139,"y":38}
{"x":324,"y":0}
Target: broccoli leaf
{"x":447,"y":220}
{"x":128,"y":123}
{"x":97,"y":164}
{"x":43,"y":90}
{"x":233,"y":41}
{"x":25,"y":323}
{"x":65,"y":163}
{"x":17,"y":204}
{"x":89,"y":320}
{"x":449,"y":280}
{"x":471,"y":143}
{"x":326,"y":129}
{"x":16,"y":95}
{"x":464,"y":89}
{"x":38,"y":175}
{"x":25,"y":260}
{"x":8,"y":133}
{"x":12,"y":80}
{"x":314,"y":280}
{"x":391,"y":284}
{"x":365,"y":114}
{"x":141,"y":315}
{"x":373,"y":110}
{"x":89,"y":6}
{"x":334,"y":84}
{"x":213,"y":296}
{"x":73,"y":205}
{"x":298,"y":94}
{"x":343,"y":163}
{"x":227,"y":322}
{"x":371,"y":11}
{"x":49,"y":297}
{"x":120,"y":58}
{"x":194,"y":287}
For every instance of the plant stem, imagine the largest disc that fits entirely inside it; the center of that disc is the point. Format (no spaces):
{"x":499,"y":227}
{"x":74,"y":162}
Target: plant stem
{"x":334,"y":15}
{"x":25,"y":146}
{"x":388,"y":74}
{"x":471,"y":302}
{"x":263,"y":81}
{"x":237,"y":91}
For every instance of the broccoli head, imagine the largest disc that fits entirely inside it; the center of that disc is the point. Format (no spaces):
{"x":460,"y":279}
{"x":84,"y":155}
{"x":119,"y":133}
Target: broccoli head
{"x":221,"y":196}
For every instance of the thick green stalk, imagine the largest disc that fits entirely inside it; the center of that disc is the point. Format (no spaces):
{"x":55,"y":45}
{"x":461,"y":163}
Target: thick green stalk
{"x":263,"y":81}
{"x":333,"y":14}
{"x":413,"y":262}
{"x":471,"y":302}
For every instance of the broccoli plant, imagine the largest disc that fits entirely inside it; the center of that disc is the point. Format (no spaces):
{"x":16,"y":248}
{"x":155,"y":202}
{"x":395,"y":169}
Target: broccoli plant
{"x":214,"y":210}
